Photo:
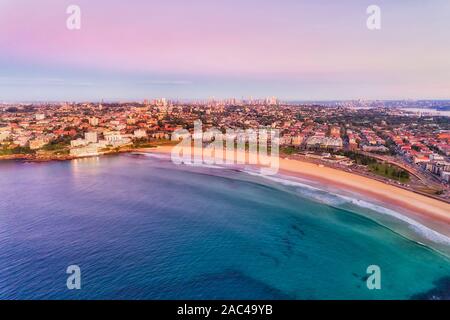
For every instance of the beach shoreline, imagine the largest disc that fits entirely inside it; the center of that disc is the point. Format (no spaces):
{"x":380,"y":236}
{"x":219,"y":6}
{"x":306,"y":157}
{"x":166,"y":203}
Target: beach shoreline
{"x":431,"y":212}
{"x":427,"y":210}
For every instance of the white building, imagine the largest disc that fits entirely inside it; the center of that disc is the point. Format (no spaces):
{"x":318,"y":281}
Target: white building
{"x":177,"y":136}
{"x":4,"y":135}
{"x":160,"y":135}
{"x":116,"y":139}
{"x":39,"y":116}
{"x":140,"y":133}
{"x":91,"y":137}
{"x":445,"y":175}
{"x":86,"y":151}
{"x":436,"y":157}
{"x":324,"y":142}
{"x":112,"y":136}
{"x":78,"y":143}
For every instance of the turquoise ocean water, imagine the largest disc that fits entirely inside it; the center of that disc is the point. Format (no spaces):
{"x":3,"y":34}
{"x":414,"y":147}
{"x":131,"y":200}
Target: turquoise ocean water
{"x":140,"y":227}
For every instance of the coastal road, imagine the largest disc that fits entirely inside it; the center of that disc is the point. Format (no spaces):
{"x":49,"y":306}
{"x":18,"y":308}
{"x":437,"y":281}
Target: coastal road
{"x":428,"y":181}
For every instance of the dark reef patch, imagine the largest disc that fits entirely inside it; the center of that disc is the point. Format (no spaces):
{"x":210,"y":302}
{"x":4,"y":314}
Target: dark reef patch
{"x":441,"y":291}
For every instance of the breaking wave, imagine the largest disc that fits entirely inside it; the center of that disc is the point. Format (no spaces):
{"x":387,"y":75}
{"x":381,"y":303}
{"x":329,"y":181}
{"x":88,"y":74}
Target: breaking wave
{"x":337,"y":200}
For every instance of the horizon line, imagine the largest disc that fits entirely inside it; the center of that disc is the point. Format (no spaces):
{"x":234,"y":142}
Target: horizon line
{"x":103,"y":100}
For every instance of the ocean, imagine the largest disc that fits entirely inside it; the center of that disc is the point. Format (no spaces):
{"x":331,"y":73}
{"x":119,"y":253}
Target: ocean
{"x":140,"y":227}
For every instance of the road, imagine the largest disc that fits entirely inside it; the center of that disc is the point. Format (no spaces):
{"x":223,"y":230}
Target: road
{"x":427,"y":179}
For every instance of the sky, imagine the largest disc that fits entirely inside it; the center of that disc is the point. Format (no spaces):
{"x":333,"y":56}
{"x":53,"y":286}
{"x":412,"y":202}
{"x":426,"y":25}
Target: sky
{"x":197,"y":49}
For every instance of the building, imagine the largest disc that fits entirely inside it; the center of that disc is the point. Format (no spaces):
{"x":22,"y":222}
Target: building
{"x":375,"y":149}
{"x":21,"y":141}
{"x":91,"y":137}
{"x":86,"y":151}
{"x":116,"y":139}
{"x":445,"y":175}
{"x":4,"y":135}
{"x":37,"y":143}
{"x":286,"y":140}
{"x":420,"y":158}
{"x":78,"y":143}
{"x":39,"y":116}
{"x":317,"y":142}
{"x":93,"y":121}
{"x":297,"y":140}
{"x":335,"y":132}
{"x":140,"y":133}
{"x":436,"y":157}
{"x":178,"y":136}
{"x":112,"y":136}
{"x":160,"y":135}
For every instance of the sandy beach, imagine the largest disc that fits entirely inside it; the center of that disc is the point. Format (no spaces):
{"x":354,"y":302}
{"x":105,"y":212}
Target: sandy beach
{"x":431,"y":212}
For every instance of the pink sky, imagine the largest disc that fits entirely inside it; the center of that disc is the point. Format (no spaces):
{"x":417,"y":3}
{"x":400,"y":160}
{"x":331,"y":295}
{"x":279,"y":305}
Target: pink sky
{"x":305,"y":44}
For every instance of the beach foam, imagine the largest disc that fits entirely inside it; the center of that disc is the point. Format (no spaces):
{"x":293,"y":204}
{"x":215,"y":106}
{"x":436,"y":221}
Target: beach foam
{"x":424,"y":231}
{"x":153,"y":155}
{"x":202,"y":165}
{"x":322,"y":195}
{"x":338,"y":200}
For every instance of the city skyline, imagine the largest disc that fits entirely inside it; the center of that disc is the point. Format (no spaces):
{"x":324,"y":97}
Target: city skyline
{"x":298,"y":51}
